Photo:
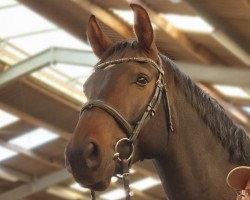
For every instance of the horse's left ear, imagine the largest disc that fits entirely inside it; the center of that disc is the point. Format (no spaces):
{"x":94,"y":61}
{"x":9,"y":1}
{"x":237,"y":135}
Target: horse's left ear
{"x":143,"y":28}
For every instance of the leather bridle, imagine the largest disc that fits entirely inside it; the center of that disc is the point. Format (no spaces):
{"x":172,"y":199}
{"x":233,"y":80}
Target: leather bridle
{"x":132,"y":132}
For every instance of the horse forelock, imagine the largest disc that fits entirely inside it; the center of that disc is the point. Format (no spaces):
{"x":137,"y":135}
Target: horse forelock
{"x":232,"y":136}
{"x":117,"y":48}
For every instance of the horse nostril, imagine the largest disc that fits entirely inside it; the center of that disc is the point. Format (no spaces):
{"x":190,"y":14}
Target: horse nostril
{"x":92,"y":155}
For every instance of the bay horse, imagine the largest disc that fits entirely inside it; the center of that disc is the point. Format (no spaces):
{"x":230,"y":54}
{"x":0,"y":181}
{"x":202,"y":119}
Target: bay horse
{"x":135,"y":92}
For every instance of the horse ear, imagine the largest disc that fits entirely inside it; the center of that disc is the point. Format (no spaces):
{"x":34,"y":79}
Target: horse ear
{"x":143,"y":28}
{"x":99,"y":41}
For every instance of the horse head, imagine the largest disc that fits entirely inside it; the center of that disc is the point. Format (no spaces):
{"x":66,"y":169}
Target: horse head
{"x":127,"y":98}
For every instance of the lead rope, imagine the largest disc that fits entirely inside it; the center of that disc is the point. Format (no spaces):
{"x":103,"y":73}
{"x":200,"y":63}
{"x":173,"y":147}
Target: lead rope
{"x":125,"y":167}
{"x":93,"y":195}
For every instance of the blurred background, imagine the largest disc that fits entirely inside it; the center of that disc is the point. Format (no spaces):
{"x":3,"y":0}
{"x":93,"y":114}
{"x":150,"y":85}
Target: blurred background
{"x":45,"y":59}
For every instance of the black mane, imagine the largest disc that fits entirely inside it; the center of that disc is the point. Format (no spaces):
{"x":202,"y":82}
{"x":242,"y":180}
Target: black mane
{"x":232,"y":136}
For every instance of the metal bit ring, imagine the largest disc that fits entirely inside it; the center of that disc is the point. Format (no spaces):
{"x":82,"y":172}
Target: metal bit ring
{"x":117,"y":154}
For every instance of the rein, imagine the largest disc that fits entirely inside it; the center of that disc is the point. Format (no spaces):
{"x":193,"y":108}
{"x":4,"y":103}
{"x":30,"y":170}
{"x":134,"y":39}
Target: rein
{"x":133,"y":132}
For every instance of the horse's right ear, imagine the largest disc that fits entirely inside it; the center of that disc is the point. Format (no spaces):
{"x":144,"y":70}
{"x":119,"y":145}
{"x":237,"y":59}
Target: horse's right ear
{"x":99,"y":41}
{"x":144,"y":30}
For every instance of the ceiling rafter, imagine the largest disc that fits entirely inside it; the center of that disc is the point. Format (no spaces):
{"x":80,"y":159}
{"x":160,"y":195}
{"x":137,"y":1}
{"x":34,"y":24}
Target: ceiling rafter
{"x":241,"y":102}
{"x":199,"y":51}
{"x":15,"y":173}
{"x":106,"y":17}
{"x":60,"y":12}
{"x":57,"y":190}
{"x":66,"y":193}
{"x":35,"y":185}
{"x":221,"y":33}
{"x":121,"y":27}
{"x":34,"y":121}
{"x":31,"y":154}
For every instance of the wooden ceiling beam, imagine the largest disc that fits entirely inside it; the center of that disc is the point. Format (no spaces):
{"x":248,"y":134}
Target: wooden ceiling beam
{"x":63,"y":192}
{"x":55,"y":190}
{"x":240,"y":102}
{"x":106,"y":17}
{"x":199,"y":51}
{"x":63,"y":13}
{"x":34,"y":121}
{"x":72,"y":20}
{"x":34,"y":186}
{"x":31,"y":154}
{"x":15,"y":175}
{"x":72,"y":15}
{"x":222,"y":34}
{"x":121,"y":27}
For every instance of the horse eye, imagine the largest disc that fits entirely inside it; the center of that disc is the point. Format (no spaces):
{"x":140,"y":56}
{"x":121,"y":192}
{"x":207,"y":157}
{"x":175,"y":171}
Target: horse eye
{"x":141,"y":81}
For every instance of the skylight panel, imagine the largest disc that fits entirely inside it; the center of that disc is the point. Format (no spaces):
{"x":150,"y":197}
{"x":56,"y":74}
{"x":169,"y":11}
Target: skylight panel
{"x":247,"y":109}
{"x":183,"y":22}
{"x":127,"y":16}
{"x":5,"y":3}
{"x":77,"y":187}
{"x":74,"y":71}
{"x":35,"y":43}
{"x":20,"y":20}
{"x":7,"y":118}
{"x":145,"y":183}
{"x":15,"y":52}
{"x":189,"y":23}
{"x":64,"y":193}
{"x":175,"y":1}
{"x":34,"y":138}
{"x":61,"y":86}
{"x":55,"y":74}
{"x":232,"y":91}
{"x":114,"y":194}
{"x":78,"y":85}
{"x":6,"y":153}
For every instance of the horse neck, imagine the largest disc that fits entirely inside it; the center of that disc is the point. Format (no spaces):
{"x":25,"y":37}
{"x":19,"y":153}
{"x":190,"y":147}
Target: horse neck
{"x":194,"y":164}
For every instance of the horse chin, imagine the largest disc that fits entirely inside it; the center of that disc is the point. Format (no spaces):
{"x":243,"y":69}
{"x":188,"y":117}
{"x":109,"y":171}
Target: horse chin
{"x":96,"y":185}
{"x":99,"y":186}
{"x":97,"y":180}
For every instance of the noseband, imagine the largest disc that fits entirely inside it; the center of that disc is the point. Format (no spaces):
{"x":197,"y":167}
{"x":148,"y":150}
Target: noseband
{"x":132,"y":132}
